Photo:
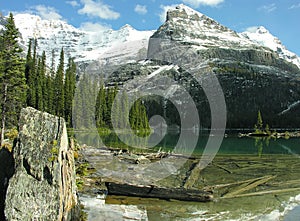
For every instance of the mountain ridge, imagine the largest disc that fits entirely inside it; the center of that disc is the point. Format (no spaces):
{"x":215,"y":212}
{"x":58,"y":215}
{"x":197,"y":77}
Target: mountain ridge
{"x":191,"y":51}
{"x":84,"y":46}
{"x":107,"y":45}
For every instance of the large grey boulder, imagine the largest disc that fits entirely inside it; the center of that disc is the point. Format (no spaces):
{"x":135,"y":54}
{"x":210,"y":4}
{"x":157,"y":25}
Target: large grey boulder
{"x":43,"y":186}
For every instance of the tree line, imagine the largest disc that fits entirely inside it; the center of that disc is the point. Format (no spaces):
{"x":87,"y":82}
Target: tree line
{"x":51,"y":91}
{"x":30,"y":82}
{"x":108,"y":109}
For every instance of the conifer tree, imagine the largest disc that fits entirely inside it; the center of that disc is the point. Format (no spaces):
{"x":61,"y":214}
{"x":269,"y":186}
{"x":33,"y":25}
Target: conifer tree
{"x":43,"y":81}
{"x":69,"y":90}
{"x":28,"y":61}
{"x":12,"y":76}
{"x":133,"y":116}
{"x":50,"y":86}
{"x":109,"y":101}
{"x":101,"y":108}
{"x":39,"y":86}
{"x":115,"y":111}
{"x":30,"y":75}
{"x":59,"y":87}
{"x":84,"y":103}
{"x":259,"y":124}
{"x":124,"y":110}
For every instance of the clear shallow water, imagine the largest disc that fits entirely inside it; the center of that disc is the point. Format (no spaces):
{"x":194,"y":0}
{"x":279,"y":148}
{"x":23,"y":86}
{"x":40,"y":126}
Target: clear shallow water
{"x":230,"y":144}
{"x":283,"y":206}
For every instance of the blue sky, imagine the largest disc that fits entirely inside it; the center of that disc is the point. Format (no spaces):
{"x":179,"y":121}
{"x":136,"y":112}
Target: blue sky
{"x":280,"y":17}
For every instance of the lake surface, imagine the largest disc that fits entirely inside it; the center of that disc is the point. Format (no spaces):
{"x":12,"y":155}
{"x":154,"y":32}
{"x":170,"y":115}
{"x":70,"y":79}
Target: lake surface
{"x":278,"y":157}
{"x":231,"y":144}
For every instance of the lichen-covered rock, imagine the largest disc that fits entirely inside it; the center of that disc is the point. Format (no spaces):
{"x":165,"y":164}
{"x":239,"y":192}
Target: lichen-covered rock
{"x":43,"y":186}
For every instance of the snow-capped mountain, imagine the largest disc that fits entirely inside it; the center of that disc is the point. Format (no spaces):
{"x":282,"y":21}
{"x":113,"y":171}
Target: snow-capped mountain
{"x":110,"y":46}
{"x":84,"y":46}
{"x":188,"y":26}
{"x":191,"y":48}
{"x":263,"y":37}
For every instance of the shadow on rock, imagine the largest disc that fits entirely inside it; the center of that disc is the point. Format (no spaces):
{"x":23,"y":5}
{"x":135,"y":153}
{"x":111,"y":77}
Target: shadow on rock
{"x":6,"y":172}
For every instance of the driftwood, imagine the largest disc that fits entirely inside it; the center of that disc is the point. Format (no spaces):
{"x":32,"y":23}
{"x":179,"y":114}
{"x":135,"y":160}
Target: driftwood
{"x":265,"y":192}
{"x":223,"y":168}
{"x":219,"y":186}
{"x":248,"y":186}
{"x":191,"y":176}
{"x":158,"y":192}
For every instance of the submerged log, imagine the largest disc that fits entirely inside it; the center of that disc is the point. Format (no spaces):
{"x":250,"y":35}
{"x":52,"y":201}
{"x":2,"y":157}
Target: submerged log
{"x":158,"y":192}
{"x":248,"y":186}
{"x":264,"y":192}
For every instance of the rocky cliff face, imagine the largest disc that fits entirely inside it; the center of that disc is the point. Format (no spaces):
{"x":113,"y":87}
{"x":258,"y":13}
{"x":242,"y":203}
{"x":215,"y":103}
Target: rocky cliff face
{"x":190,"y":48}
{"x":43,"y":186}
{"x":262,"y":36}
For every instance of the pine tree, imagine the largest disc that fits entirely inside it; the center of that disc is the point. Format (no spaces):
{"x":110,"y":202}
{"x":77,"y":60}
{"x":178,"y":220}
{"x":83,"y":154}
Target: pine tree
{"x":30,"y":75}
{"x":125,"y":111}
{"x":12,"y":76}
{"x":39,"y":86}
{"x":138,"y":116}
{"x":133,"y":116}
{"x":59,"y":87}
{"x":101,"y":108}
{"x":115,"y":111}
{"x":259,"y":124}
{"x":109,"y":101}
{"x":84,"y":103}
{"x":50,"y":86}
{"x":43,"y":81}
{"x":28,"y":61}
{"x":144,"y":119}
{"x":70,"y":84}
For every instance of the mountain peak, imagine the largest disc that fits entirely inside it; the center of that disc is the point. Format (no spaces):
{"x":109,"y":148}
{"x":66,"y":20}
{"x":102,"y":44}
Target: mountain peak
{"x":127,"y":26}
{"x":258,"y":30}
{"x":188,"y":10}
{"x":263,"y":37}
{"x":194,"y":28}
{"x":184,"y":12}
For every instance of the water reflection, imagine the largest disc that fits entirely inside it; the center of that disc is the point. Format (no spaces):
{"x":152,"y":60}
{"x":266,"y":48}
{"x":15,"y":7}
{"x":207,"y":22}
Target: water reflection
{"x":260,"y":142}
{"x":230,"y":145}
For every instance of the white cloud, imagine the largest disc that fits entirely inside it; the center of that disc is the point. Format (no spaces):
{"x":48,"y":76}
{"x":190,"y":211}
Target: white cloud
{"x":94,"y":27}
{"x":141,"y":9}
{"x":268,"y":8}
{"x":163,"y":13}
{"x":295,"y":6}
{"x":46,"y":12}
{"x":73,"y":3}
{"x":197,"y":3}
{"x":98,"y":9}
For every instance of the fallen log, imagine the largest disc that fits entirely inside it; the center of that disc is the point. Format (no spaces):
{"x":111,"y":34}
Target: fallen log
{"x":285,"y":183}
{"x":223,"y":168}
{"x":158,"y":192}
{"x":188,"y":181}
{"x":219,"y":186}
{"x":248,"y":186}
{"x":263,"y":193}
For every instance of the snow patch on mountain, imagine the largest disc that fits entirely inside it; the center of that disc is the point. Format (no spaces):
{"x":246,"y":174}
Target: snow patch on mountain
{"x":194,"y":28}
{"x":189,"y":26}
{"x":262,"y":36}
{"x":108,"y":46}
{"x":84,"y":46}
